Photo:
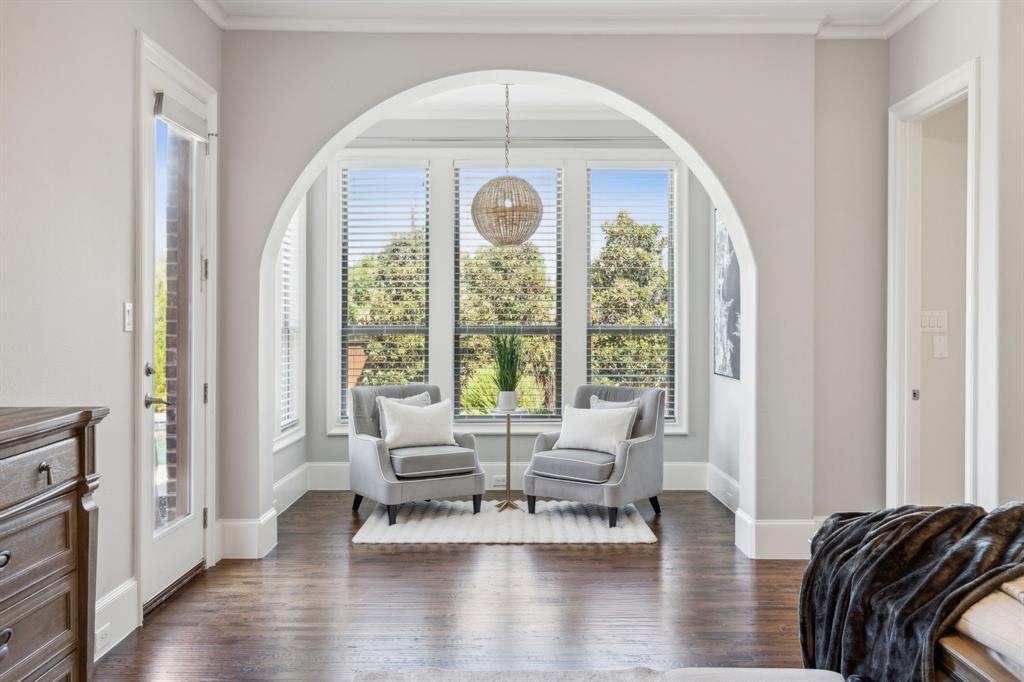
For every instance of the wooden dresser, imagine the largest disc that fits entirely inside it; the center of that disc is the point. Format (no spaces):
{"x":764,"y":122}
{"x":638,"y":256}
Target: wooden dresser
{"x":47,"y":542}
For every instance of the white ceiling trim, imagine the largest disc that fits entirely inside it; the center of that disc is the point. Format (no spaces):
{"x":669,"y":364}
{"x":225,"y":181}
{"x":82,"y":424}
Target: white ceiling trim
{"x":900,"y":16}
{"x":822,"y":27}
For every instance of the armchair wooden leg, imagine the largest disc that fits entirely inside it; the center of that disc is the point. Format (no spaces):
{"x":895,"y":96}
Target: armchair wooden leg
{"x":613,"y":516}
{"x":656,"y":504}
{"x":392,"y":514}
{"x":477,"y":499}
{"x":356,"y":501}
{"x":531,"y":503}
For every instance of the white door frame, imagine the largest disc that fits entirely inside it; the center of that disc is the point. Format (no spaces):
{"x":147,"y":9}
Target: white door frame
{"x":902,"y":471}
{"x":155,"y":62}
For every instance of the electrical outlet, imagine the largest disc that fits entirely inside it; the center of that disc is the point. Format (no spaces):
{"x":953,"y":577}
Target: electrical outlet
{"x":102,"y":637}
{"x":498,"y":480}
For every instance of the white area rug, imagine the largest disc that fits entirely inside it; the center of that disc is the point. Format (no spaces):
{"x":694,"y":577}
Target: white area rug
{"x":453,"y":521}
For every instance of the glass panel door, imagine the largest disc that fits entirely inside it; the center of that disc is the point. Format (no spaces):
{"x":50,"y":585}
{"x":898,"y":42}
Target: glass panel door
{"x":171,"y":367}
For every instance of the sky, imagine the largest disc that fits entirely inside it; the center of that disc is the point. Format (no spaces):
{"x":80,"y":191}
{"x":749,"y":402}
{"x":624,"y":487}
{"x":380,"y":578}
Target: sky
{"x":388,"y":200}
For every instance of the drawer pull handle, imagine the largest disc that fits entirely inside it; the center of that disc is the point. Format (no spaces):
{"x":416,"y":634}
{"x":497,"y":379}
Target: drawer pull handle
{"x":5,"y":558}
{"x":45,"y":468}
{"x":5,"y":637}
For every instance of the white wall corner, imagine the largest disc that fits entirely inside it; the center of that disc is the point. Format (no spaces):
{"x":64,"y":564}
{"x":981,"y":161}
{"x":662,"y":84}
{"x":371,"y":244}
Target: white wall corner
{"x":327,"y":476}
{"x":723,"y":487}
{"x":249,"y":538}
{"x":117,"y":615}
{"x":774,"y":539}
{"x":291,"y":487}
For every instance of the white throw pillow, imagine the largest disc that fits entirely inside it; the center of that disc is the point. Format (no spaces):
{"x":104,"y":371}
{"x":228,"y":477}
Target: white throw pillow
{"x":599,"y":430}
{"x":421,"y":399}
{"x":602,"y":404}
{"x":412,"y":425}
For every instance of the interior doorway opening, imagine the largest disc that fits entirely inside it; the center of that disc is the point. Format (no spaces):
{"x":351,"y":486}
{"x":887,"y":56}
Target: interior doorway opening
{"x":932,"y":385}
{"x":368,"y":130}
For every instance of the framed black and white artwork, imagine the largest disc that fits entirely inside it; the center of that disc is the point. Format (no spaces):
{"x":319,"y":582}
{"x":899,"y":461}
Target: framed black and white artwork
{"x":727,"y":319}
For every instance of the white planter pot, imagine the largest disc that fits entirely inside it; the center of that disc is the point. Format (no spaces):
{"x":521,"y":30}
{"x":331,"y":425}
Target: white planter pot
{"x":508,"y":401}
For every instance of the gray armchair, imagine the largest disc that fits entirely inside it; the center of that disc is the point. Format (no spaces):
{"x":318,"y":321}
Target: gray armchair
{"x":633,"y":473}
{"x":392,"y":477}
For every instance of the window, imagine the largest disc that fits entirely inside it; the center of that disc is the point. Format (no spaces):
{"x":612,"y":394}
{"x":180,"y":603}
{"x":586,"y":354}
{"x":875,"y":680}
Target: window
{"x":384,"y":253}
{"x":630,"y":326}
{"x":511,"y":289}
{"x":418,"y":295}
{"x":291,"y":309}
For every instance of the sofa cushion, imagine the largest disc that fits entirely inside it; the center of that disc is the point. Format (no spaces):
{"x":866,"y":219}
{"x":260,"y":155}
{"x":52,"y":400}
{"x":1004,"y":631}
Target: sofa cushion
{"x":586,"y":466}
{"x":432,"y":460}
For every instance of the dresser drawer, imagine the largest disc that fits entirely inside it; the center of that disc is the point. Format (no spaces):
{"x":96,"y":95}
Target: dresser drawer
{"x":64,"y":671}
{"x":39,"y":629}
{"x":25,"y":475}
{"x":36,"y":545}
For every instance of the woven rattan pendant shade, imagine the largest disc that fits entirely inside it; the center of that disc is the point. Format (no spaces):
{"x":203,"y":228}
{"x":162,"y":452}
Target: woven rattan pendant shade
{"x":507,"y":210}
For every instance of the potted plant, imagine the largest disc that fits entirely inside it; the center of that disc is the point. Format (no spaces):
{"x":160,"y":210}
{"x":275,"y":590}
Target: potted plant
{"x":508,"y":359}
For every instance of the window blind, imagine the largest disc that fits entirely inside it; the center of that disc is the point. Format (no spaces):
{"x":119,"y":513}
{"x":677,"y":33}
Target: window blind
{"x":508,"y":290}
{"x":630,"y":279}
{"x":290,"y":273}
{"x":384,"y":256}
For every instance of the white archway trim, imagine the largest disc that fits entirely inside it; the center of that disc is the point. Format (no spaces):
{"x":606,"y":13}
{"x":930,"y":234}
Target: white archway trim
{"x":902,"y":463}
{"x":690,"y":157}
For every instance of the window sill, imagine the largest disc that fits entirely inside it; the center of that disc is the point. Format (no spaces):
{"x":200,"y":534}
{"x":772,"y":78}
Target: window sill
{"x":522,"y":428}
{"x":289,"y":437}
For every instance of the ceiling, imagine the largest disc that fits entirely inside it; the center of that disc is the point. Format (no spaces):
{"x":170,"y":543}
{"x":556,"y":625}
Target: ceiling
{"x":822,"y":18}
{"x":527,"y":102}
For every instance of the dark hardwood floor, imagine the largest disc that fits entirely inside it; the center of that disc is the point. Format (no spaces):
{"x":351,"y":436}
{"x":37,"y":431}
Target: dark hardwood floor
{"x":318,"y":607}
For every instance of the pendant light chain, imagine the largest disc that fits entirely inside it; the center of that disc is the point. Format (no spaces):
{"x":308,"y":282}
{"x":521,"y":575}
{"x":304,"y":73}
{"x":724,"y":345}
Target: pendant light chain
{"x":508,"y":123}
{"x":507,"y":210}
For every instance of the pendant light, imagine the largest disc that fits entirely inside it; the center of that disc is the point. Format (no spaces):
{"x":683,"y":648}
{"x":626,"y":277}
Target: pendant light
{"x":507,"y":210}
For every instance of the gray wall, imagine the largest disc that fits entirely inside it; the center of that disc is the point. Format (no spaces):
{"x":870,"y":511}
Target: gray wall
{"x":1011,"y":251}
{"x":292,"y":92}
{"x":943,"y":287}
{"x":946,"y":37}
{"x":324,"y":448}
{"x":849,"y":274}
{"x":67,"y":238}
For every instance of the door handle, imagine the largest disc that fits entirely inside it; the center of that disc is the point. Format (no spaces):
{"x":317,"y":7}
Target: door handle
{"x":45,"y":468}
{"x":150,"y":401}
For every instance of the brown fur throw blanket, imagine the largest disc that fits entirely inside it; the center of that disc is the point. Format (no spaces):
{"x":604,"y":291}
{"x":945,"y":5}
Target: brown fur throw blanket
{"x":882,"y":587}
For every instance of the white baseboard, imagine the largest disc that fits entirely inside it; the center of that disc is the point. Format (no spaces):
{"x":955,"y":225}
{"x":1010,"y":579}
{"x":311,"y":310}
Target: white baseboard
{"x":685,"y":476}
{"x":291,"y":487}
{"x":678,"y":475}
{"x":724,"y":487}
{"x":334,"y":476}
{"x":327,"y":475}
{"x":492,"y":469}
{"x":117,"y":615}
{"x":249,"y":538}
{"x":774,"y":539}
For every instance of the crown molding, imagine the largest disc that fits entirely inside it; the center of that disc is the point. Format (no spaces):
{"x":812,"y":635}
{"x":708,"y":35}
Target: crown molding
{"x":820,"y":27}
{"x":900,"y":16}
{"x":215,"y":11}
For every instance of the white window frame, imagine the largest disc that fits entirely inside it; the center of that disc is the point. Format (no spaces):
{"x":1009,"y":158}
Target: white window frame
{"x":574,"y":163}
{"x":297,"y":430}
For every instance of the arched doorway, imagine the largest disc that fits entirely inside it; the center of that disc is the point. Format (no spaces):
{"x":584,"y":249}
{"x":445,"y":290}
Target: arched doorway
{"x":675,"y":142}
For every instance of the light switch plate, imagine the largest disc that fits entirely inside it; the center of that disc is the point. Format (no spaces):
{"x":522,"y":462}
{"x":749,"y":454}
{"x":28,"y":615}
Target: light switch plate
{"x":940,"y":346}
{"x":129,"y":317}
{"x":934,"y":321}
